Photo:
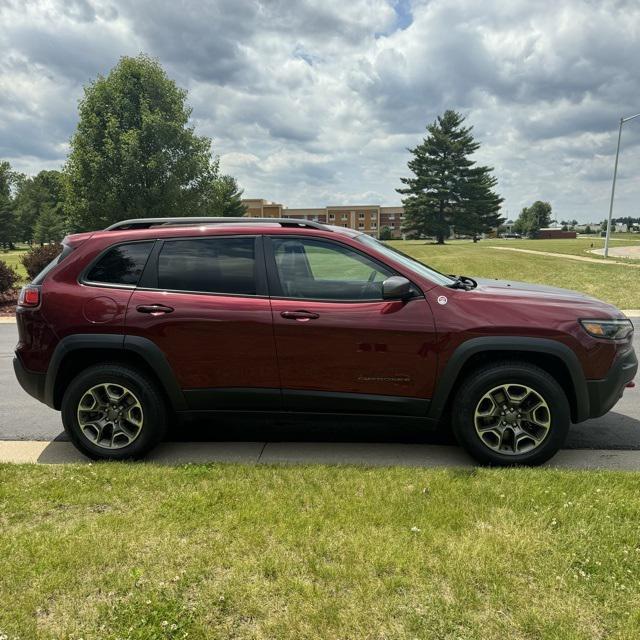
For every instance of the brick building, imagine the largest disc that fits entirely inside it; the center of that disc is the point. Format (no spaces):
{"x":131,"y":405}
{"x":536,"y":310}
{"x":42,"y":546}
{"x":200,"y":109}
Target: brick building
{"x":369,"y":219}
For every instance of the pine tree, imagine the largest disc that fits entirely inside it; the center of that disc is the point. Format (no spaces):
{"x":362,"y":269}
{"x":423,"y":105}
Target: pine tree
{"x":227,"y":199}
{"x":446,"y":188}
{"x":481,"y":212}
{"x":33,"y":196}
{"x":50,"y":225}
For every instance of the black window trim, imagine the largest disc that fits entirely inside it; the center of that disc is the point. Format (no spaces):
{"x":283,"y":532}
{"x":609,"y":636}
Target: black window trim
{"x":274,"y":277}
{"x":149,"y":278}
{"x":43,"y":274}
{"x":82,"y":278}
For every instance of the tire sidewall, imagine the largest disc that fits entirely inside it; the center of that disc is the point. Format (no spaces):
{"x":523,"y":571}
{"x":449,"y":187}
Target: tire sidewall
{"x":153,"y":408}
{"x":476,"y":385}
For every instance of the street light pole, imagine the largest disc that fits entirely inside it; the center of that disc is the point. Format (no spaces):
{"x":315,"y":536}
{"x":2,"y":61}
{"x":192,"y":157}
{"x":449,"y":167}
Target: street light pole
{"x":613,"y":186}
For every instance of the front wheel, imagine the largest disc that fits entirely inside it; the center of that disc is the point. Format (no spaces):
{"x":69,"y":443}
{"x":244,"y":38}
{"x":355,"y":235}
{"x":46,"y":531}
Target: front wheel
{"x":511,"y":413}
{"x":113,"y":412}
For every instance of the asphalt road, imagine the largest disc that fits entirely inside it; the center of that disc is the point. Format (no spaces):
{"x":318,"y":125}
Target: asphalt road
{"x":23,"y":418}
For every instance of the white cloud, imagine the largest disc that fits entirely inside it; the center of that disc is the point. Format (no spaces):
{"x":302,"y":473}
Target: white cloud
{"x":312,"y":103}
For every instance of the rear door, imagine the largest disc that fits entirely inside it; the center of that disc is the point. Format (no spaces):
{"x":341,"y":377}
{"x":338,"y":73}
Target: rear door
{"x":204,"y":302}
{"x":340,"y":346}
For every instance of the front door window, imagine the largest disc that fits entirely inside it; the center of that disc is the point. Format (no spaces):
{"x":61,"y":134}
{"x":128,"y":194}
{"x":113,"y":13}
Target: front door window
{"x":316,"y":270}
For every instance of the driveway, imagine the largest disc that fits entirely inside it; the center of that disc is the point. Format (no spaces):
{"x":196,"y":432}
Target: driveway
{"x":23,"y":418}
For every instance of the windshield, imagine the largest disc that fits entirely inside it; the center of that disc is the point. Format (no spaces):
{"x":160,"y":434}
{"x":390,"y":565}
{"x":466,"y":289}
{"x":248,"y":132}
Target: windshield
{"x":407,"y":261}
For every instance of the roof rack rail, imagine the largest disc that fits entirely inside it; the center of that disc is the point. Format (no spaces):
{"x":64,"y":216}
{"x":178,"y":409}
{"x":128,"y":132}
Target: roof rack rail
{"x":147,"y":223}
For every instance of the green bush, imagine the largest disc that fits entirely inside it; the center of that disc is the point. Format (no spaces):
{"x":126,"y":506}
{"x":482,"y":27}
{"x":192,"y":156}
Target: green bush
{"x":8,"y":278}
{"x":37,"y":258}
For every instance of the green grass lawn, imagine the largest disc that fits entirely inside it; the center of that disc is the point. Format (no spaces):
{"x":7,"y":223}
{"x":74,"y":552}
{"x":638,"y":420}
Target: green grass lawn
{"x":143,"y":551}
{"x":617,"y":284}
{"x":12,"y":258}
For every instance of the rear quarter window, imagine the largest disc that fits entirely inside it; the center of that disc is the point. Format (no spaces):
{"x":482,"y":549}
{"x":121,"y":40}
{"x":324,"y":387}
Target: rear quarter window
{"x":66,"y":250}
{"x":121,"y":265}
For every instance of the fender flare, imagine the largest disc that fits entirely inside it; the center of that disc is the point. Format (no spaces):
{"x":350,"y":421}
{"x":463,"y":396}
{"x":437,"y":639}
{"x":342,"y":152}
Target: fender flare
{"x":143,"y":347}
{"x":473,"y":346}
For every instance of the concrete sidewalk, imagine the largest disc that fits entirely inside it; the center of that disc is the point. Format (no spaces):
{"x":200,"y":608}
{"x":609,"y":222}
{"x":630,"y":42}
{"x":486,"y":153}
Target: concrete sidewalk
{"x":413,"y":455}
{"x":621,"y":252}
{"x":567,"y":256}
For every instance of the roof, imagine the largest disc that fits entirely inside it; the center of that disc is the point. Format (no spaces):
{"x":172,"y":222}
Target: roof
{"x":140,"y":228}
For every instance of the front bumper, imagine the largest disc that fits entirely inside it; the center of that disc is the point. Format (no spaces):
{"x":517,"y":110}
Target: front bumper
{"x":31,"y":382}
{"x":603,"y":394}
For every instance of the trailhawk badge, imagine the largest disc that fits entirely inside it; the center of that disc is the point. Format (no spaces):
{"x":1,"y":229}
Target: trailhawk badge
{"x":442,"y":300}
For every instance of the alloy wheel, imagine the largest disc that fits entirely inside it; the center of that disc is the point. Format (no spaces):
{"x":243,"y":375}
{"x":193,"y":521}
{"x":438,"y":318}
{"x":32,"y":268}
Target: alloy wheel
{"x":110,"y":415}
{"x":512,"y":419}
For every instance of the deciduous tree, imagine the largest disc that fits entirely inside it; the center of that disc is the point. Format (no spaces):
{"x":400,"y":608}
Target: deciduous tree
{"x":533,"y":218}
{"x":8,"y":226}
{"x":134,"y":153}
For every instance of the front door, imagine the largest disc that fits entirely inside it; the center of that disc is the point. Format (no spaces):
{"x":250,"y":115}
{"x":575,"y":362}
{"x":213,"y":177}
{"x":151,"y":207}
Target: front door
{"x":341,"y":347}
{"x":206,"y":307}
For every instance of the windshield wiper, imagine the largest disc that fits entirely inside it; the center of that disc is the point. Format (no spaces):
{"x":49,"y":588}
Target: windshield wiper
{"x":462,"y":282}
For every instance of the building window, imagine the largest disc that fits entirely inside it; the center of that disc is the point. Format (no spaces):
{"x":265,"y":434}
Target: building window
{"x":344,"y":216}
{"x":361,"y":215}
{"x":360,"y":225}
{"x":332,"y":216}
{"x":374,"y":225}
{"x":393,"y":225}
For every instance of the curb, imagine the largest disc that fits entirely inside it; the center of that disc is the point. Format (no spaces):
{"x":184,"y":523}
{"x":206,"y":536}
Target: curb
{"x":363,"y":454}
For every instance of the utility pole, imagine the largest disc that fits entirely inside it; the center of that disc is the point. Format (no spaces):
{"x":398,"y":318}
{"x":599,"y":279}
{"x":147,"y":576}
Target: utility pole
{"x":613,"y":186}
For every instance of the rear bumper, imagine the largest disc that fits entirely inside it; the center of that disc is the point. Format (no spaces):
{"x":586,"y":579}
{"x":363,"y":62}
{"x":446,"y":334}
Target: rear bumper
{"x":33,"y":383}
{"x":603,"y":394}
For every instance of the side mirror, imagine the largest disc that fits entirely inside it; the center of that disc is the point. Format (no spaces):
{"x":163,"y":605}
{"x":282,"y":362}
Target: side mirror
{"x":396,"y":288}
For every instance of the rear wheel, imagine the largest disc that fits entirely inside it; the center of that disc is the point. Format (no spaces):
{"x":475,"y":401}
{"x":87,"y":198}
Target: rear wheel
{"x":511,"y":413}
{"x":113,"y":412}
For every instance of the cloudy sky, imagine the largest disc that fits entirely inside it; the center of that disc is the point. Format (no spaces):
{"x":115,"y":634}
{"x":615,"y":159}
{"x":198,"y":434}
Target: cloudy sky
{"x":314,"y":102}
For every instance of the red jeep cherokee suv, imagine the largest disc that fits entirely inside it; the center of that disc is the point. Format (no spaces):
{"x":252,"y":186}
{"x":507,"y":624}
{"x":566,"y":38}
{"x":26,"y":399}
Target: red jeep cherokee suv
{"x":155,"y":318}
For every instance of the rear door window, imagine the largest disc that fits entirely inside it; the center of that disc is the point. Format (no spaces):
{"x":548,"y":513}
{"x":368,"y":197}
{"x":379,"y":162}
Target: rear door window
{"x":121,"y":265}
{"x":224,"y":265}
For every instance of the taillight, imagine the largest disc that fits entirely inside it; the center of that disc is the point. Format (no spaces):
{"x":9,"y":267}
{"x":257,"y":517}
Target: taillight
{"x":29,"y":296}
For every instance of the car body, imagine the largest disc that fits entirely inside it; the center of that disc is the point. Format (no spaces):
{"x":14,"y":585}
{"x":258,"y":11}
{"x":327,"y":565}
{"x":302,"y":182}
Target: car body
{"x":289,"y":316}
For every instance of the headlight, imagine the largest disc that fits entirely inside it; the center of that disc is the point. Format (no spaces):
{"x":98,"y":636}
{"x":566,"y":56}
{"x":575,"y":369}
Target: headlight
{"x":610,"y":329}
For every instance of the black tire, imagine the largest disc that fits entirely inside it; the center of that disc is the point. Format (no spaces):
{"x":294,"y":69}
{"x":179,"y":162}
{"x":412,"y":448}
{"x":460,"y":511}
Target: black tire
{"x":478,"y":383}
{"x":150,"y":398}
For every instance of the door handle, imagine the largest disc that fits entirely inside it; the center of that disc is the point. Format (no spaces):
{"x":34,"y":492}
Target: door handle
{"x":154,"y":309}
{"x":301,"y":316}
